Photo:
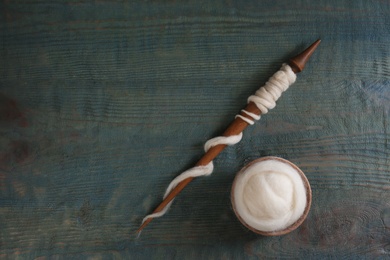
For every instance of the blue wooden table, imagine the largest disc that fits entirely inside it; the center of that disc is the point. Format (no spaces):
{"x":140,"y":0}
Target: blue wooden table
{"x":103,"y":103}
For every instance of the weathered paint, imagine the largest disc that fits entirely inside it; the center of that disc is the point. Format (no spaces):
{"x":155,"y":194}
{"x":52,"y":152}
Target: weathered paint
{"x":102,"y":103}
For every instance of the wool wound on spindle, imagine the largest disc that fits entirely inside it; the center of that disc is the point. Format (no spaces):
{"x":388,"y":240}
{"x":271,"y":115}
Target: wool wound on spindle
{"x":265,"y":98}
{"x":269,"y":195}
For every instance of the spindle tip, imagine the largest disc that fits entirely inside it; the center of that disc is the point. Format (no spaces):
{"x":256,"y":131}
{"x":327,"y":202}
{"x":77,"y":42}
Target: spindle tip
{"x":298,"y":62}
{"x":143,"y":225}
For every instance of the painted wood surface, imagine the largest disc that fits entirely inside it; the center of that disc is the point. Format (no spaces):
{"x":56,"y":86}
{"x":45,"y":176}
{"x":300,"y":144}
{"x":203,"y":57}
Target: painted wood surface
{"x":102,"y":103}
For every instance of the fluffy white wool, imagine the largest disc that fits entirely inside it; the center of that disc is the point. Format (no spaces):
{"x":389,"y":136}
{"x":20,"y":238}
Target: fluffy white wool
{"x":265,"y":98}
{"x":269,"y":195}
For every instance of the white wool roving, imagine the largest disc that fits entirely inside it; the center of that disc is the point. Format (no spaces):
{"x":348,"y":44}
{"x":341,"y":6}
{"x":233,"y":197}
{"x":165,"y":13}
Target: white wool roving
{"x":196,"y":171}
{"x":269,"y":195}
{"x":265,"y":97}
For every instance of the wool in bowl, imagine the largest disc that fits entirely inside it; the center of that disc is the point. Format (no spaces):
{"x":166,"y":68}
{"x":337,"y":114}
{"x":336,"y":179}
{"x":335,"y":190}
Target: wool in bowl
{"x":271,"y":195}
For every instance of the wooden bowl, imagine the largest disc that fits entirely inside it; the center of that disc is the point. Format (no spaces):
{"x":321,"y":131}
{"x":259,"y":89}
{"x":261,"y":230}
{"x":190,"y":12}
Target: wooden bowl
{"x":298,"y":222}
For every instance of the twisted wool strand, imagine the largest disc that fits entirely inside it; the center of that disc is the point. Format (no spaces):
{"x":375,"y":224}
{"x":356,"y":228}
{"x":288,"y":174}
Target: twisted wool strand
{"x":265,"y":98}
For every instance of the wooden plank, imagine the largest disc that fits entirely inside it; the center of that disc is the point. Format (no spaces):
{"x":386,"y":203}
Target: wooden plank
{"x":103,"y":103}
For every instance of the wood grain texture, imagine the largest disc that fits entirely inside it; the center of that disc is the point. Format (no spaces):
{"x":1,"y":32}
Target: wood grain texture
{"x":102,"y":103}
